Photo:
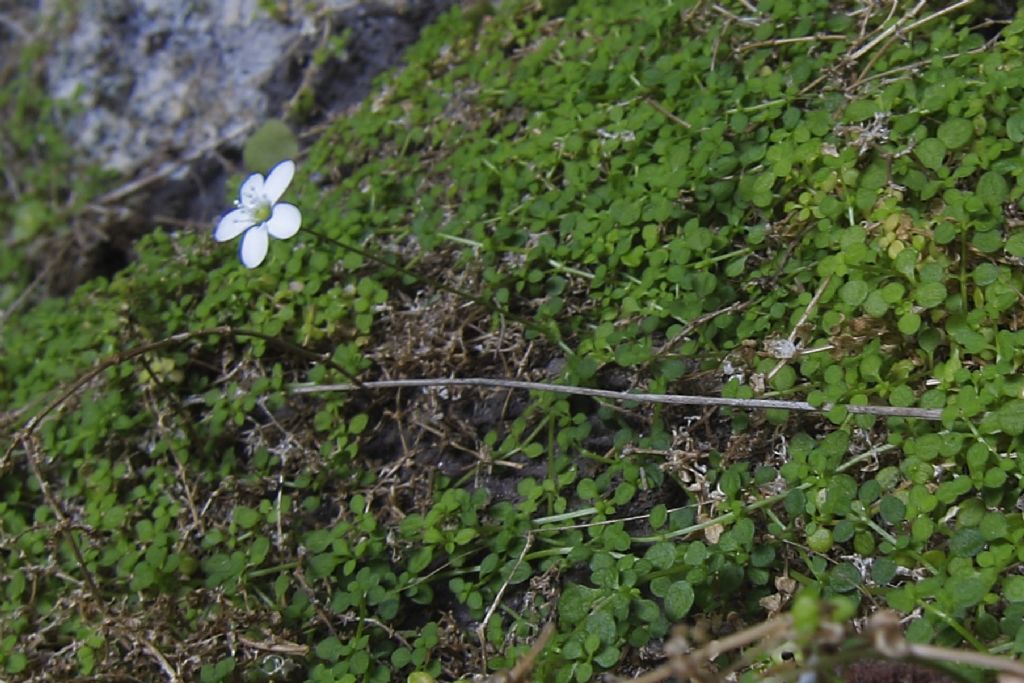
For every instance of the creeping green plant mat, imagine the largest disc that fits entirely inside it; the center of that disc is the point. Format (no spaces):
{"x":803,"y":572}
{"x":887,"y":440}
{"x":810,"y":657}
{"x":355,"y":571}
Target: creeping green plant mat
{"x":801,"y":200}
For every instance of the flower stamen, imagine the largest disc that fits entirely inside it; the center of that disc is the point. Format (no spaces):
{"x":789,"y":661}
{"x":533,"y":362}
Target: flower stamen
{"x":261,"y":212}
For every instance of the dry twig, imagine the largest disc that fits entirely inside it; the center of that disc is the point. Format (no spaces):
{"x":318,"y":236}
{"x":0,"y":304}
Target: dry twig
{"x":880,"y":639}
{"x":669,"y":399}
{"x":481,"y":632}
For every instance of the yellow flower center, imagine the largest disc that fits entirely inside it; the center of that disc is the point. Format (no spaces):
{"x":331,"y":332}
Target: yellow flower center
{"x":261,"y":213}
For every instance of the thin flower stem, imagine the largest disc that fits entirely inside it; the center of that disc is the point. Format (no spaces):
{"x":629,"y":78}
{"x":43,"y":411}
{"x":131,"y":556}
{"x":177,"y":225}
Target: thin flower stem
{"x":661,"y":109}
{"x":464,"y":241}
{"x":481,"y":631}
{"x":712,"y":260}
{"x":952,"y":623}
{"x":569,"y":269}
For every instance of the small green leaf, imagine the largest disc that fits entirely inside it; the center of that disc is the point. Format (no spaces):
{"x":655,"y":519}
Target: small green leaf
{"x":931,"y":294}
{"x":966,"y":543}
{"x":875,"y":305}
{"x":1015,"y":244}
{"x":575,"y":602}
{"x":966,"y":591}
{"x":784,"y":379}
{"x":602,"y":625}
{"x":214,"y":673}
{"x":931,"y":152}
{"x":993,"y":526}
{"x":1010,"y":417}
{"x":992,"y":189}
{"x":16,"y":662}
{"x":246,"y":517}
{"x":995,"y":478}
{"x":16,"y":585}
{"x":647,"y":610}
{"x":659,"y":515}
{"x":844,"y":577}
{"x":955,"y":132}
{"x":695,"y":554}
{"x":625,"y":212}
{"x":464,"y":536}
{"x":330,"y":649}
{"x":883,"y":569}
{"x":678,"y":600}
{"x":874,"y":176}
{"x":1013,"y":588}
{"x":270,"y":144}
{"x":220,"y":566}
{"x":1015,"y":127}
{"x":901,"y":396}
{"x":893,"y":293}
{"x":820,"y":541}
{"x":86,"y":659}
{"x":661,"y":555}
{"x":359,"y":662}
{"x":143,"y":576}
{"x":358,"y":423}
{"x":586,"y":489}
{"x":422,"y":558}
{"x":987,"y":241}
{"x":624,"y":493}
{"x":854,"y":292}
{"x":892,"y":509}
{"x":735,"y":267}
{"x":909,"y":323}
{"x":323,"y":565}
{"x":608,"y":657}
{"x":860,"y":110}
{"x":258,"y":551}
{"x":949,"y":491}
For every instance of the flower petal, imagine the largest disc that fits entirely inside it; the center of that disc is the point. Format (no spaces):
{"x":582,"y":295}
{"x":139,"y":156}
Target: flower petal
{"x":233,"y":224}
{"x":278,"y":180}
{"x":252,"y":193}
{"x":284,"y":222}
{"x":253,"y":249}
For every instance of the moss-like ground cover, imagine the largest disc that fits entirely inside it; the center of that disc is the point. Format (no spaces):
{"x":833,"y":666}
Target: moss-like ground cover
{"x":809,"y":200}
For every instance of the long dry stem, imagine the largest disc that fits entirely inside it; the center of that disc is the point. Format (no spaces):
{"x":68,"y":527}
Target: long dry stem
{"x":670,"y":399}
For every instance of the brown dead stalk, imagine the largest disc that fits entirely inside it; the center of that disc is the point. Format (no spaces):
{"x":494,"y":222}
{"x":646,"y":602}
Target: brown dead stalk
{"x":640,"y":397}
{"x":827,"y":650}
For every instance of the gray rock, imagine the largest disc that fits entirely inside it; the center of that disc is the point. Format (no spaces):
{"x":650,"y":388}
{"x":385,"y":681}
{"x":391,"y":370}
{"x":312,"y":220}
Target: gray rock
{"x":161,"y":78}
{"x":169,"y":89}
{"x":164,"y":78}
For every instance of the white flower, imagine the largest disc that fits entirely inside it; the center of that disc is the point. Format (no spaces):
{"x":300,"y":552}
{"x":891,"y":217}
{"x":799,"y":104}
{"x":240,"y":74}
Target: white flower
{"x":259,"y":216}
